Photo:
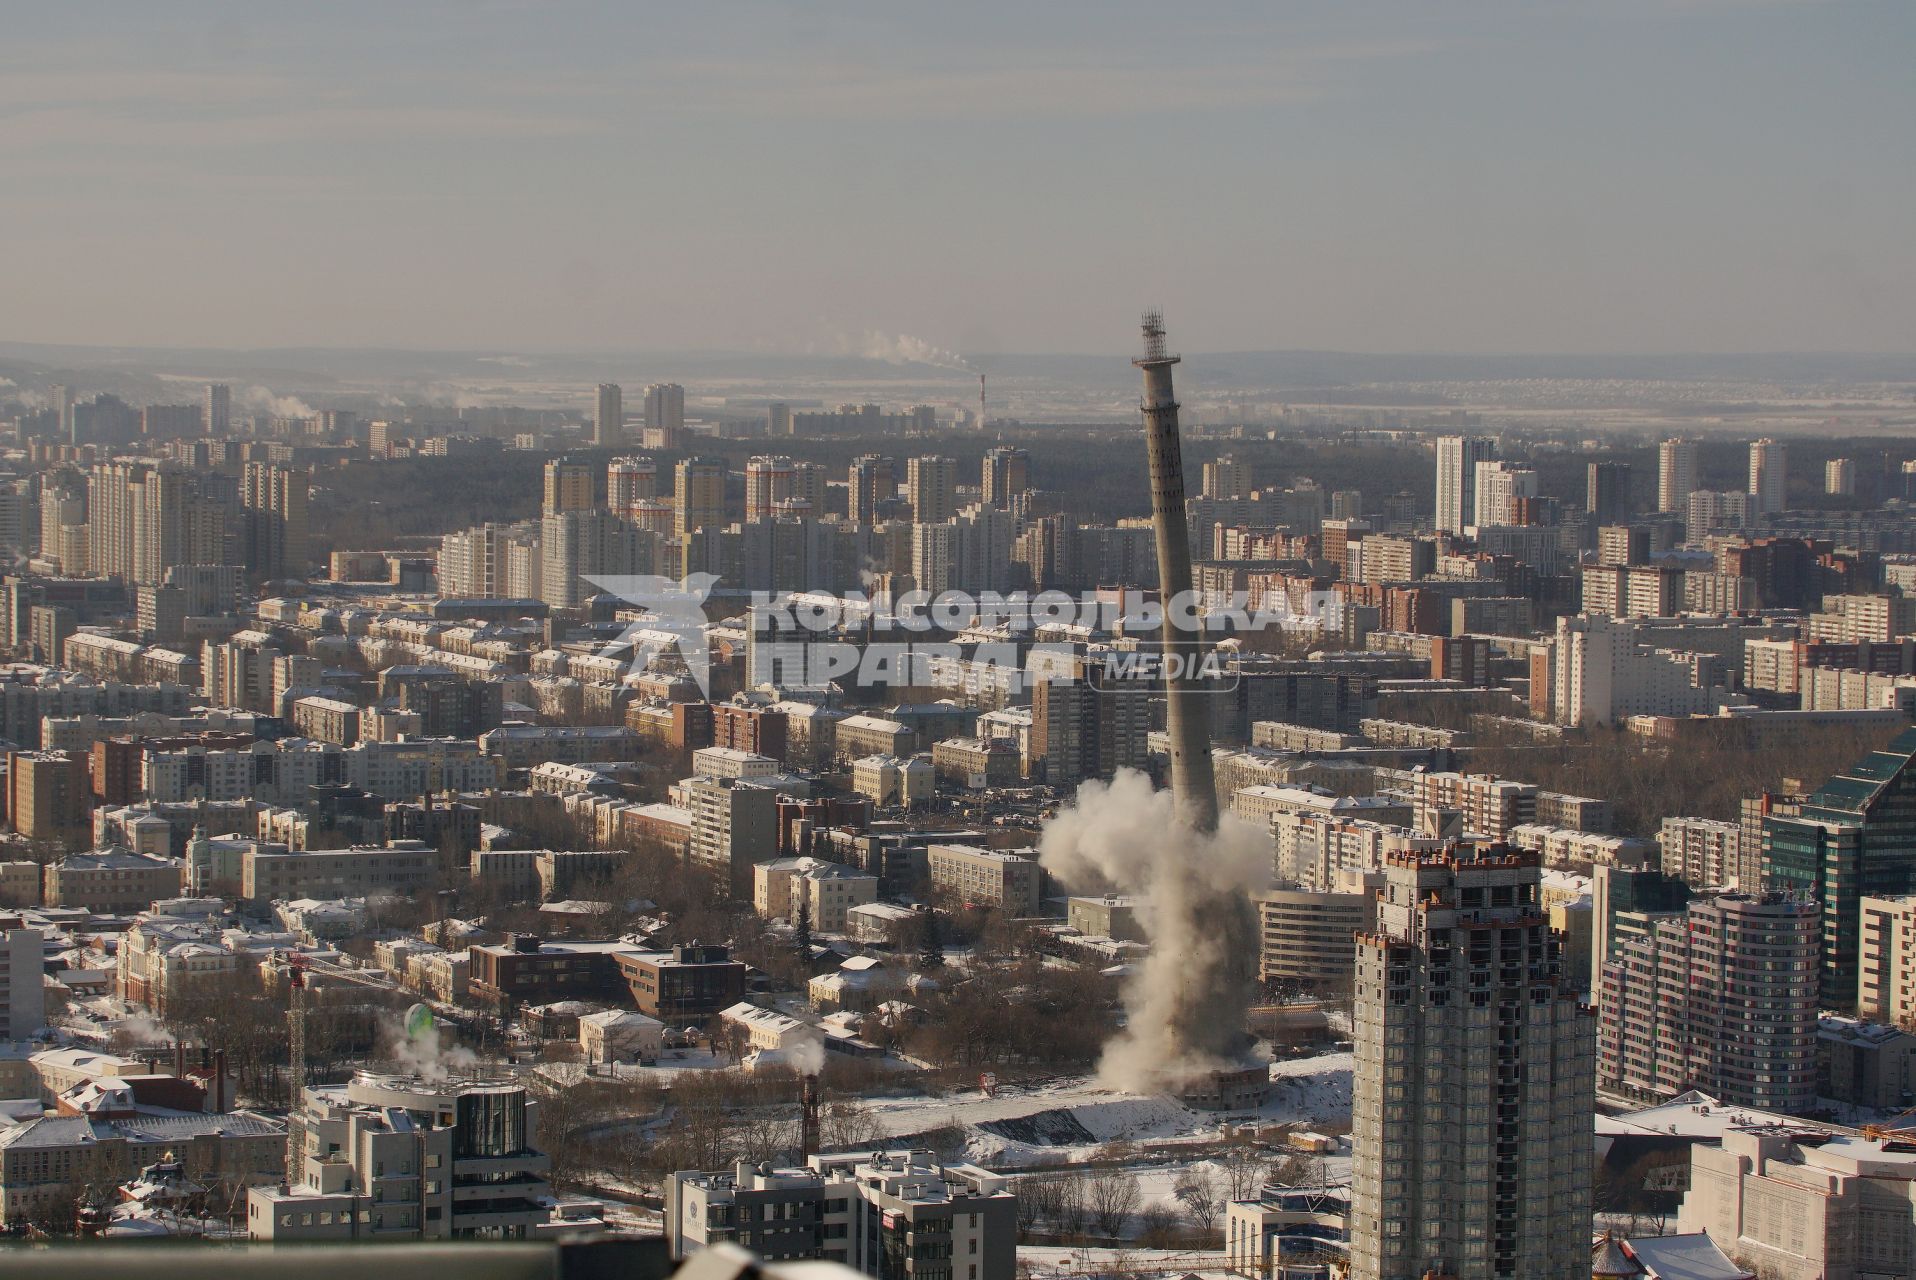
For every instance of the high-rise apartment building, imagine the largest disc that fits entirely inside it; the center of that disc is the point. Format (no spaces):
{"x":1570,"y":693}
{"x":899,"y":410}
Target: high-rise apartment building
{"x":809,"y":487}
{"x":608,"y":418}
{"x":1006,"y":474}
{"x":628,"y":482}
{"x":1886,"y":961}
{"x":931,"y":484}
{"x":1676,"y":474}
{"x":1080,"y":730}
{"x":1719,"y":996}
{"x":1457,"y":459}
{"x":1607,"y":493}
{"x":569,"y":487}
{"x":871,"y":480}
{"x":577,"y":546}
{"x":1499,"y":486}
{"x":1839,"y":477}
{"x":1473,"y":1093}
{"x":768,"y":482}
{"x":734,"y":825}
{"x":1709,"y":511}
{"x":665,"y":411}
{"x":144,"y":520}
{"x":275,"y":522}
{"x":217,"y":413}
{"x":1603,"y":671}
{"x":1703,"y":853}
{"x":1769,"y":474}
{"x":23,"y":964}
{"x":934,"y":556}
{"x":46,"y":794}
{"x":698,"y":494}
{"x":1227,"y":478}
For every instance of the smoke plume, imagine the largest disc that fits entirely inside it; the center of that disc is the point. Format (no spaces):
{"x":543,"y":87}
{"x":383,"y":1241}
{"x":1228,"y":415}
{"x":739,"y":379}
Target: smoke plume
{"x":902,"y":348}
{"x":807,"y":1057}
{"x":427,"y":1055}
{"x":1186,"y":1004}
{"x":262,"y":400}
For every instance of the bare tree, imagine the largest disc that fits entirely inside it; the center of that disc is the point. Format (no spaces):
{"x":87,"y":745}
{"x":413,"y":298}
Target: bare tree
{"x":848,"y":1124}
{"x":1243,"y":1170}
{"x":1158,"y":1225}
{"x":1072,"y":1205}
{"x":1199,"y":1191}
{"x":1112,"y":1195}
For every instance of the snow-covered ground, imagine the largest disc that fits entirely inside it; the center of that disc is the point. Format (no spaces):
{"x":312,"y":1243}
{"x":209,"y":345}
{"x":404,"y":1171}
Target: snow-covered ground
{"x":1070,"y":1119}
{"x":1071,"y":1260}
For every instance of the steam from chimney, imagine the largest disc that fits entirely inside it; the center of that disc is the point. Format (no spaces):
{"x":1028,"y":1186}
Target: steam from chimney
{"x":262,"y":400}
{"x":902,"y":348}
{"x":423,"y":1052}
{"x":1186,"y":1004}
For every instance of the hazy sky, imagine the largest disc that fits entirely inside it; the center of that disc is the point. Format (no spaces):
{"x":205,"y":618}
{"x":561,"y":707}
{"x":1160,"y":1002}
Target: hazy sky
{"x":1557,"y":175}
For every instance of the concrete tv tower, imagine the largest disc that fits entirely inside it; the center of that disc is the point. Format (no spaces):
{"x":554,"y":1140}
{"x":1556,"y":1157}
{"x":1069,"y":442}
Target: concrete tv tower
{"x":1187,"y":715}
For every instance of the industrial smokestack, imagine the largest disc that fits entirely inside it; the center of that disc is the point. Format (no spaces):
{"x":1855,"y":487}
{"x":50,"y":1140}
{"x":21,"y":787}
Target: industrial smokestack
{"x":808,"y":1128}
{"x":1187,"y":715}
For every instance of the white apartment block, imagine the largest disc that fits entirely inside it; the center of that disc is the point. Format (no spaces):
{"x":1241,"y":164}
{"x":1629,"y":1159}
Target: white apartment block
{"x":283,"y":770}
{"x":1703,"y":852}
{"x":1565,"y":848}
{"x":1319,"y":851}
{"x":1601,"y":675}
{"x":1490,"y":806}
{"x":730,"y":762}
{"x":1457,"y":459}
{"x":1769,"y":474}
{"x":1676,"y":474}
{"x":828,"y":890}
{"x":1848,"y":619}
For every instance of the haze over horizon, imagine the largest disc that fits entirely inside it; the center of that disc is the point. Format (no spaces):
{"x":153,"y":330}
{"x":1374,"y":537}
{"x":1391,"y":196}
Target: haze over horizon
{"x":1650,"y":176}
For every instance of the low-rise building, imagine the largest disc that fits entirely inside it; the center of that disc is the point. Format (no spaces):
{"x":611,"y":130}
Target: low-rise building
{"x":1794,"y":1201}
{"x":44,"y":1162}
{"x":769,"y":1031}
{"x":113,"y":880}
{"x":400,"y":1158}
{"x":892,"y":1214}
{"x":619,"y":1035}
{"x":827,"y":890}
{"x":273,"y":872}
{"x":685,"y":986}
{"x":986,"y":878}
{"x":1113,"y":916}
{"x":527,"y":970}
